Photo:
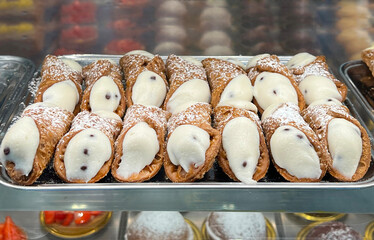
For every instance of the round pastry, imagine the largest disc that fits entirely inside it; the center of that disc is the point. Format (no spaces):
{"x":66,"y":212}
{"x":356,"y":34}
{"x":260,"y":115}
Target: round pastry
{"x":236,"y":225}
{"x":171,"y":8}
{"x":215,"y":38}
{"x":173,"y":33}
{"x":159,"y":226}
{"x":166,"y":48}
{"x":332,"y":230}
{"x":215,"y":18}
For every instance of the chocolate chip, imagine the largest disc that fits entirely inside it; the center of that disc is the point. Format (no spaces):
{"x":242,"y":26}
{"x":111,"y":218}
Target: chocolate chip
{"x":85,"y":151}
{"x":286,"y":129}
{"x":6,"y":151}
{"x":244,"y":164}
{"x":84,"y":168}
{"x":305,"y":91}
{"x":116,"y":96}
{"x":310,"y":145}
{"x":275,"y":92}
{"x":262,"y":78}
{"x":194,"y":137}
{"x":231,"y":95}
{"x":153,"y":78}
{"x":299,"y":136}
{"x":107,"y":96}
{"x":91,"y":135}
{"x":329,"y":100}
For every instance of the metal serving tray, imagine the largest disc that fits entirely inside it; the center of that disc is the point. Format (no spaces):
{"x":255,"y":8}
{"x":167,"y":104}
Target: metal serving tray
{"x":214,"y":192}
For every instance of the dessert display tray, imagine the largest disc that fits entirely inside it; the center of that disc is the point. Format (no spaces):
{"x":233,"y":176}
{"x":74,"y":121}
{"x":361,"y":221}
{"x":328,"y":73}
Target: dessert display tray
{"x":214,"y":192}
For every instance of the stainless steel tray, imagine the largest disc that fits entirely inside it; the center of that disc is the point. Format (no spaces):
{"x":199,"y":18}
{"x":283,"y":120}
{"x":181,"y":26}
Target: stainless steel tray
{"x":214,"y":192}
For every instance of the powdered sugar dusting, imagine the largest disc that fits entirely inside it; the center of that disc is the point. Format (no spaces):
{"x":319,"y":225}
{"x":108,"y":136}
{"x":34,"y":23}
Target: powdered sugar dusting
{"x":195,"y":114}
{"x":180,"y":70}
{"x":100,"y":68}
{"x":318,"y":68}
{"x":86,"y":120}
{"x":221,"y":116}
{"x":132,"y":65}
{"x":286,"y":113}
{"x":55,"y":69}
{"x":333,"y":231}
{"x":137,"y":112}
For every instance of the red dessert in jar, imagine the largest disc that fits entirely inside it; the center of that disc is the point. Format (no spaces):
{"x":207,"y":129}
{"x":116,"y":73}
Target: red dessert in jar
{"x":123,"y":46}
{"x":78,"y":12}
{"x":79,"y":37}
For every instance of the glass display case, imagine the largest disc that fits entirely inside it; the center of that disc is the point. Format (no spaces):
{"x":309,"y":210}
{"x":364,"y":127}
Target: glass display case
{"x":86,"y":31}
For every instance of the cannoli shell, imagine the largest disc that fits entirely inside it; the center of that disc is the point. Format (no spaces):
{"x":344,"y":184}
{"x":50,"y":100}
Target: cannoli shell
{"x":367,"y":56}
{"x":53,"y":71}
{"x":220,"y":73}
{"x":180,"y":71}
{"x":319,"y":67}
{"x":272,"y":64}
{"x":85,"y":120}
{"x":133,"y":65}
{"x":156,"y":118}
{"x":92,"y":73}
{"x":52,"y":123}
{"x":223,"y":115}
{"x":197,"y":115}
{"x":319,"y":117}
{"x":289,"y":114}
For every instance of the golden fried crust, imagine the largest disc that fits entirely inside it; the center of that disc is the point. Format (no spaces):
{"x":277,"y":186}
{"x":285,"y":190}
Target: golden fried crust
{"x":156,"y":118}
{"x":295,"y":120}
{"x":52,"y":123}
{"x":180,"y":71}
{"x":92,"y":73}
{"x":319,"y":67}
{"x":220,"y":73}
{"x":53,"y":71}
{"x":133,"y":65}
{"x":272,"y":64}
{"x":367,"y":56}
{"x":85,"y":120}
{"x":197,"y":115}
{"x":313,"y":116}
{"x":223,"y":115}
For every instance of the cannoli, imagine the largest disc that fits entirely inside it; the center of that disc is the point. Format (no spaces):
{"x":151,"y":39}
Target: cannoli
{"x":188,"y":83}
{"x":230,"y":85}
{"x":104,"y":89}
{"x":30,"y":142}
{"x":145,"y":77}
{"x":273,"y":83}
{"x":367,"y":56}
{"x":294,"y":147}
{"x":243,"y":154}
{"x":60,"y":84}
{"x":314,"y":79}
{"x":140,"y":147}
{"x":345,"y":139}
{"x":85,"y":153}
{"x":192,"y":144}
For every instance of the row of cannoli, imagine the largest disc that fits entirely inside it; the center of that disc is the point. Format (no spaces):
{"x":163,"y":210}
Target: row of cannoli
{"x":86,"y":152}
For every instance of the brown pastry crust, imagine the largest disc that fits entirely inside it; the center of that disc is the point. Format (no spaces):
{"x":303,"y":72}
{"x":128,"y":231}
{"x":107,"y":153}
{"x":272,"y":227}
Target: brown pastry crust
{"x":220,"y":73}
{"x":319,"y":117}
{"x":54,"y":70}
{"x":319,"y":67}
{"x":94,"y":72}
{"x":273,"y":64}
{"x":53,"y":123}
{"x":367,"y":56}
{"x":197,"y":115}
{"x":289,"y":115}
{"x":156,"y":118}
{"x":133,"y":65}
{"x":85,"y":120}
{"x":180,"y":71}
{"x":223,"y":115}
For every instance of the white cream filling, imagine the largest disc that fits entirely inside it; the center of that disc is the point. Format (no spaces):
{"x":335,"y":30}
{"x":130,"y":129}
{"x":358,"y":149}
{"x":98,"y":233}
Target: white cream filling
{"x":253,"y":61}
{"x":187,"y":145}
{"x":271,"y":88}
{"x":345,"y":146}
{"x":140,"y":146}
{"x":73,"y":65}
{"x":192,"y":60}
{"x":149,"y":89}
{"x":300,"y":60}
{"x":104,"y":95}
{"x":86,"y":153}
{"x":20,"y":144}
{"x":241,"y":142}
{"x":316,"y":88}
{"x":107,"y":114}
{"x":292,"y":151}
{"x":239,"y":92}
{"x":187,"y":94}
{"x":141,"y":52}
{"x":269,"y":111}
{"x":326,"y":101}
{"x":62,"y":94}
